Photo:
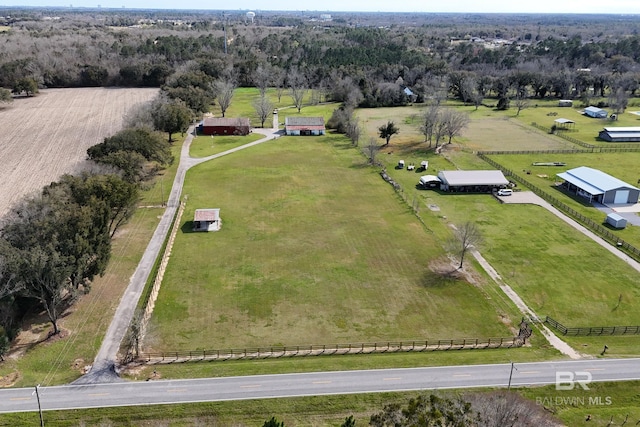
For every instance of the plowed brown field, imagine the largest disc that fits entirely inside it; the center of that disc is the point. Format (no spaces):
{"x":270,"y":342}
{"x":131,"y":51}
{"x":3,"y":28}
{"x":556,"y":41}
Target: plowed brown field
{"x":48,"y":135}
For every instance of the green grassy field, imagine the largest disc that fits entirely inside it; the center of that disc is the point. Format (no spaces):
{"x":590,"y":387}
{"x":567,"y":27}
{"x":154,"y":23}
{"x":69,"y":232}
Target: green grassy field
{"x":206,"y":145}
{"x":314,"y":248}
{"x":621,"y":165}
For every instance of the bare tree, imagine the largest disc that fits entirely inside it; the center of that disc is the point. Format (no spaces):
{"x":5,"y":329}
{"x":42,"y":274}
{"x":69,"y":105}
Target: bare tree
{"x":278,"y":78}
{"x":353,"y":130}
{"x":263,"y":108}
{"x":521,"y":103}
{"x":429,"y":120}
{"x":618,"y":101}
{"x":464,"y":238}
{"x":224,"y":93}
{"x":371,"y":150}
{"x":454,"y":122}
{"x":262,"y":79}
{"x":297,"y":87}
{"x":504,"y":408}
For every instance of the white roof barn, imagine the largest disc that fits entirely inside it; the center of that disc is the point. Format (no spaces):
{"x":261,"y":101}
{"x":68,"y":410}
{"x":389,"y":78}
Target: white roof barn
{"x":620,"y":134}
{"x":599,"y":186}
{"x":472,"y":181}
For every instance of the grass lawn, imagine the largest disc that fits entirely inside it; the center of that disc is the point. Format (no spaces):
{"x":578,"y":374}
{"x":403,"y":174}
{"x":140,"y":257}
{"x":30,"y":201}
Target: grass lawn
{"x":314,"y":248}
{"x":621,"y":165}
{"x":586,"y":128}
{"x":207,"y":145}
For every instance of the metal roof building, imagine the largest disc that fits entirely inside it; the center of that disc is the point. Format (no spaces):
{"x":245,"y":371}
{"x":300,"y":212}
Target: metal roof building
{"x":472,"y":181}
{"x":304,"y":126}
{"x":598,"y":186}
{"x":620,"y":134}
{"x":596,"y":112}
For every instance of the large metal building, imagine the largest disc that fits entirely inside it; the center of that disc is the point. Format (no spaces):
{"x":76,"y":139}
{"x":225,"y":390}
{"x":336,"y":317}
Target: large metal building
{"x":620,"y":134}
{"x":480,"y":181}
{"x":598,"y":186}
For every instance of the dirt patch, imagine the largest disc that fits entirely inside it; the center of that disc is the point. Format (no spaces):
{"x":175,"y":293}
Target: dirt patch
{"x":448,"y":267}
{"x":37,"y":331}
{"x":10,"y":379}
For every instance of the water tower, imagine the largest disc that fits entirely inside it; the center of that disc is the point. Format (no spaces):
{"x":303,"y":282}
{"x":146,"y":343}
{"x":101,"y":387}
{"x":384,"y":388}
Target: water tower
{"x":250,"y":16}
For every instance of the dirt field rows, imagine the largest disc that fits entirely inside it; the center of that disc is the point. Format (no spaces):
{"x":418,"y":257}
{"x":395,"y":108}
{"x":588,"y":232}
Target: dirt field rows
{"x":48,"y":135}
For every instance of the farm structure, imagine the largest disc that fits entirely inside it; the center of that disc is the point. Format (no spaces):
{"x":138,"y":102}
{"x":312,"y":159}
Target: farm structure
{"x":564,"y":124}
{"x":616,"y":221}
{"x":477,"y":181}
{"x":304,"y":126}
{"x":225,"y":126}
{"x":595,"y":112}
{"x":565,"y":103}
{"x":207,"y":220}
{"x":598,"y":186}
{"x":620,"y":134}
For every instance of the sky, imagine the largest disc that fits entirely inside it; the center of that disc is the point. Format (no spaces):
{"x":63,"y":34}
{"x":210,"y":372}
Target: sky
{"x":462,"y":6}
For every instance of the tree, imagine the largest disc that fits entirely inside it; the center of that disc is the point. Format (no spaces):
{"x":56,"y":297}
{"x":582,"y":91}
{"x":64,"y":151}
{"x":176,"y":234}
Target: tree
{"x":349,"y":422}
{"x":618,"y":101}
{"x":224,"y":93}
{"x":387,"y":131}
{"x":262,"y":78}
{"x":5,"y":96}
{"x":426,"y":411}
{"x":171,"y":116}
{"x":454,"y":122}
{"x":430,"y":118}
{"x":26,"y":85}
{"x":353,"y":130}
{"x":464,"y":238}
{"x":521,"y":103}
{"x":273,"y":422}
{"x":263,"y":108}
{"x":371,"y":150}
{"x":297,"y":87}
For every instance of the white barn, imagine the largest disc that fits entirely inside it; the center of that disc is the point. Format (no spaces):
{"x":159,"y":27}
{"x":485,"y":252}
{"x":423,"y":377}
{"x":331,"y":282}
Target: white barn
{"x":598,"y":186}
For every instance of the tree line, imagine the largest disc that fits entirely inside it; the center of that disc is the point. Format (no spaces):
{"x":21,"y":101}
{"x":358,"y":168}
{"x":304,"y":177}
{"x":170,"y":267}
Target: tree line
{"x":55,"y":242}
{"x":353,"y":58}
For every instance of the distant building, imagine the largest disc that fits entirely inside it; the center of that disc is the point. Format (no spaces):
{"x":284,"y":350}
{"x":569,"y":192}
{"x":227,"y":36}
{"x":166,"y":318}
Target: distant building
{"x":565,"y":103}
{"x":620,"y":134}
{"x":598,"y":186}
{"x":225,"y":126}
{"x":595,"y":112}
{"x":305,"y":126}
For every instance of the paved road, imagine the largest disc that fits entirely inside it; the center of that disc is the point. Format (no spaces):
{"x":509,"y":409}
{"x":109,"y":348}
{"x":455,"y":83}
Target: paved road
{"x":103,"y":368}
{"x":312,"y":384}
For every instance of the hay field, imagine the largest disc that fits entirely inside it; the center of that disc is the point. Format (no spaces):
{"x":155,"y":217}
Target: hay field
{"x":48,"y":135}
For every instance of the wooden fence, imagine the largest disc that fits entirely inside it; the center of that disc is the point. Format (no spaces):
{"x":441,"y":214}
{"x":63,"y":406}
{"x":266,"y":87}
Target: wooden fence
{"x":592,"y":225}
{"x":328,"y":350}
{"x":592,"y":330}
{"x":590,"y":147}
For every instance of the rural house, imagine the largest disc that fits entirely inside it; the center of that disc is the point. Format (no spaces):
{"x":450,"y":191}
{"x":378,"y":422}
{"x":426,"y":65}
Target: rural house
{"x":304,"y":126}
{"x":595,"y":112}
{"x":480,"y":181}
{"x":207,"y":220}
{"x":225,"y":126}
{"x":598,"y":186}
{"x":620,"y":134}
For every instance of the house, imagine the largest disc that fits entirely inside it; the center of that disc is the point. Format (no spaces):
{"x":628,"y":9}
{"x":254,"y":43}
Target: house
{"x":479,"y":181}
{"x":565,"y":103}
{"x":296,"y":126}
{"x":620,"y":134}
{"x":207,"y":220}
{"x":598,"y":186}
{"x":595,"y":112}
{"x":225,"y":126}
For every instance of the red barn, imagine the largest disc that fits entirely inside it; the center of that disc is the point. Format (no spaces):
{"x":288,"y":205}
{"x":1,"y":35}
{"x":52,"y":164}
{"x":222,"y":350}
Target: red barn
{"x":225,"y":126}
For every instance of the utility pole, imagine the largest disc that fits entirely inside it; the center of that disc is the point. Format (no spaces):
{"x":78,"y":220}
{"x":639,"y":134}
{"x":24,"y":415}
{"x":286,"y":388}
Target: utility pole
{"x":39,"y":407}
{"x":511,"y":375}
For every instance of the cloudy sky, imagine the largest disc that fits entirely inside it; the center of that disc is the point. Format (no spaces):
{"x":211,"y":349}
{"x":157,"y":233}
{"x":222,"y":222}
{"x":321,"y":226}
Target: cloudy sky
{"x":500,"y":6}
